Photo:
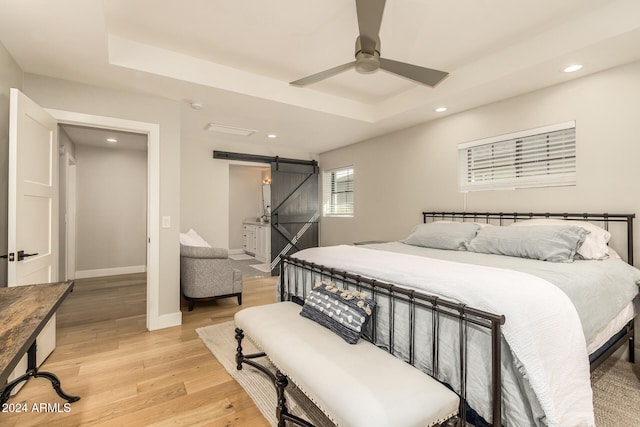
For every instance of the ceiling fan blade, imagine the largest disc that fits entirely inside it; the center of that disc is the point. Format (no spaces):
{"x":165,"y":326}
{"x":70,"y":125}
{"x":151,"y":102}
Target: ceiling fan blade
{"x":322,"y":74}
{"x":426,"y":76}
{"x":369,"y":20}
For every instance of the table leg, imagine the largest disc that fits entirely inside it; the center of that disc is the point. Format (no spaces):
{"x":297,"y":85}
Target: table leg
{"x":32,"y":371}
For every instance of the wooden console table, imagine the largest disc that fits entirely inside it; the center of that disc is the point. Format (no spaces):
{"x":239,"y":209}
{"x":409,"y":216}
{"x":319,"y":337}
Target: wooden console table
{"x":24,"y":311}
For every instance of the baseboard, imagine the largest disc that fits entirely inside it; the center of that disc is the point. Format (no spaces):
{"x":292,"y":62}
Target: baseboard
{"x":236,"y":251}
{"x":115,"y":271}
{"x":169,"y":320}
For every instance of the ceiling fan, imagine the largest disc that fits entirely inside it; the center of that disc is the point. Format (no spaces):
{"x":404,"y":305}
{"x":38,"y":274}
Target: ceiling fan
{"x":368,"y":58}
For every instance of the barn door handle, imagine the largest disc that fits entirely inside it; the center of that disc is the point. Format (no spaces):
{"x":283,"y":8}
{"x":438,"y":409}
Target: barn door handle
{"x":22,"y":255}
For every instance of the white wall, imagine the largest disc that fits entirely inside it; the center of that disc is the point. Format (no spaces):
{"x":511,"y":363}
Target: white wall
{"x":205,"y":183}
{"x":111,"y":212}
{"x":77,"y":97}
{"x":245,"y":199}
{"x":399,"y":175}
{"x":10,"y":76}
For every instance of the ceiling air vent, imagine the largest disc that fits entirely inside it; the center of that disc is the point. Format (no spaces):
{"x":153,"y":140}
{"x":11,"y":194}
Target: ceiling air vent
{"x":230,"y":130}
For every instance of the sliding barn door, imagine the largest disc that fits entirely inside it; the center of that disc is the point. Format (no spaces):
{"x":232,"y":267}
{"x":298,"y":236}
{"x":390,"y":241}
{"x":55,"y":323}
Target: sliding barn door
{"x":295,"y":210}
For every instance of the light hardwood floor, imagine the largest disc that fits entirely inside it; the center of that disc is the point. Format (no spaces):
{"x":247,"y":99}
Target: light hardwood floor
{"x":127,"y":376}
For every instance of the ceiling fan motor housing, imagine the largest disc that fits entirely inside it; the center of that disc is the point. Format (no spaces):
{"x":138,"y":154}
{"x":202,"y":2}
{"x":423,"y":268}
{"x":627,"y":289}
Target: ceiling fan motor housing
{"x":367,"y":62}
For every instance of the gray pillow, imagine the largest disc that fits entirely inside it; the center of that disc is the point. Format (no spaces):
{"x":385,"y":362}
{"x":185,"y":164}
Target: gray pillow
{"x":344,"y":312}
{"x":555,"y":243}
{"x":443,"y":235}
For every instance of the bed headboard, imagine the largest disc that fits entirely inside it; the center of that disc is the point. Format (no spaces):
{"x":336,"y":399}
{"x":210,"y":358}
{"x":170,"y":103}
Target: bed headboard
{"x":505,"y":218}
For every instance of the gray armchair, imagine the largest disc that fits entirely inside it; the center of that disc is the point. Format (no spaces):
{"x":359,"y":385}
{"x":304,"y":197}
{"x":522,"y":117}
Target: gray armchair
{"x":206,"y":274}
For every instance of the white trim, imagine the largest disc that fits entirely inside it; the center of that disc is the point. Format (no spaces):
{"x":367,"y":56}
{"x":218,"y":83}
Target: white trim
{"x":153,"y":195}
{"x":70,"y":217}
{"x":327,"y":194}
{"x":235,"y":251}
{"x":115,"y":271}
{"x":169,"y":320}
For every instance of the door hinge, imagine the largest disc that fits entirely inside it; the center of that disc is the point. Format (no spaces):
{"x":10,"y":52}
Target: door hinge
{"x":10,"y":257}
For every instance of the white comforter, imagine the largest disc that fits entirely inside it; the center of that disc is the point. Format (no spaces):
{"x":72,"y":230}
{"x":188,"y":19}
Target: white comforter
{"x":556,"y":364}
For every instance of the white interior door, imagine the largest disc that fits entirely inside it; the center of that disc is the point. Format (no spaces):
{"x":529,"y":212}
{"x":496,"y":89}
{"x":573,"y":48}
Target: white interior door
{"x":33,"y":209}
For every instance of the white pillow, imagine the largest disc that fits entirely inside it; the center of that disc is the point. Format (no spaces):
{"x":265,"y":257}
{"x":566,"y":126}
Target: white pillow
{"x":191,"y":238}
{"x":594,"y":246}
{"x":613,"y":254}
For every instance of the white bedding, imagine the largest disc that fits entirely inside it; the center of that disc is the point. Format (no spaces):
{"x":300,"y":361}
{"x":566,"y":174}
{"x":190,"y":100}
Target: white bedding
{"x":555,"y":365}
{"x":614,"y":326}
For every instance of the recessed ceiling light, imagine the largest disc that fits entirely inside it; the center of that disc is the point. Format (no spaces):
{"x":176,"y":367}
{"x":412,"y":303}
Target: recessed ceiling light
{"x":272,"y":136}
{"x":441,"y":109}
{"x":572,"y":68}
{"x":214,"y":127}
{"x":112,"y":140}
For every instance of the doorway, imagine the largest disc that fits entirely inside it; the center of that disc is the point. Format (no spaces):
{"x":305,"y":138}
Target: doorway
{"x":152,"y":132}
{"x":294,"y":207}
{"x":104,"y":174}
{"x":249,"y":215}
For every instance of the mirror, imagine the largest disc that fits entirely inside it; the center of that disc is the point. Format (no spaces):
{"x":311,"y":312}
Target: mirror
{"x":266,"y":201}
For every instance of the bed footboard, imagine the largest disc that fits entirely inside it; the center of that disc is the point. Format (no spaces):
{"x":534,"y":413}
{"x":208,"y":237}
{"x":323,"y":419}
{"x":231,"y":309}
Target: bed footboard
{"x":415,"y":326}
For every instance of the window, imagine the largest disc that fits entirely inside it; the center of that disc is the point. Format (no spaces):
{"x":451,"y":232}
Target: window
{"x":541,"y":157}
{"x":338,"y":192}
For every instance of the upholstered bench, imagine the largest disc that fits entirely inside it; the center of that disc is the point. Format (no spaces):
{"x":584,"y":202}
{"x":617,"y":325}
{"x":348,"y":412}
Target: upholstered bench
{"x":353,"y":384}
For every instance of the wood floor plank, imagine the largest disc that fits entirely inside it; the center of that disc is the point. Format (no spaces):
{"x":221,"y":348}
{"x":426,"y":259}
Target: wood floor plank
{"x":127,"y":375}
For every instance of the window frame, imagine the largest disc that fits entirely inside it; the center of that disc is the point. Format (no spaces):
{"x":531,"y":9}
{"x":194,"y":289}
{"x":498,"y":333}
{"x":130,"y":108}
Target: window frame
{"x":510,"y":166}
{"x":330,"y":205}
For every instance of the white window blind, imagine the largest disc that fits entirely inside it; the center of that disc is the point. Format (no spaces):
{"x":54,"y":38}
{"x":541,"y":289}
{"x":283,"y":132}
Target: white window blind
{"x":338,"y":192}
{"x":541,"y":157}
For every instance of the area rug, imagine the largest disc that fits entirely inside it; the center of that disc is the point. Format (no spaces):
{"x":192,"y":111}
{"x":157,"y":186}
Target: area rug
{"x":616,"y":384}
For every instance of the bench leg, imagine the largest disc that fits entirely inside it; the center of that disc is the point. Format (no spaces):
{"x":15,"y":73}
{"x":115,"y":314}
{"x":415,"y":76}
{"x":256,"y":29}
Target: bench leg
{"x":246,"y":358}
{"x":239,"y":356}
{"x":282,"y":413}
{"x":281,"y":409}
{"x":280,"y":381}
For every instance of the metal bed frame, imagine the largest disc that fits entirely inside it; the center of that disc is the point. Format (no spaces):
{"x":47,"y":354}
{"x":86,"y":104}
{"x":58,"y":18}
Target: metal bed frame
{"x":293,"y":286}
{"x":604,"y":219}
{"x":417,"y":301}
{"x":626,"y":334}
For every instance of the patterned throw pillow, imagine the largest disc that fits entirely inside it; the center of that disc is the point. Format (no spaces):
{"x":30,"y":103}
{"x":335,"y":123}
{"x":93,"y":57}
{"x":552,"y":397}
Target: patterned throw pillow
{"x":344,"y":312}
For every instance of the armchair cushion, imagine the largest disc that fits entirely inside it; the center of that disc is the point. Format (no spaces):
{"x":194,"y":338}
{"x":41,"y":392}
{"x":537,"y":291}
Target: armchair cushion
{"x":203,"y":252}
